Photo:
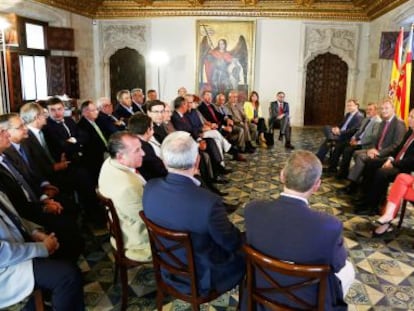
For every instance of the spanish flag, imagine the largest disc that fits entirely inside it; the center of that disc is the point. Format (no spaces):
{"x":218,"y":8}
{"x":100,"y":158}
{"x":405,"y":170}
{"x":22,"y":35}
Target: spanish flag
{"x":405,"y":78}
{"x":394,"y":89}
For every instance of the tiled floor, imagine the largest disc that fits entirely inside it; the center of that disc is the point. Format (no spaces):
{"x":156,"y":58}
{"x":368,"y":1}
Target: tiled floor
{"x":385,"y":266}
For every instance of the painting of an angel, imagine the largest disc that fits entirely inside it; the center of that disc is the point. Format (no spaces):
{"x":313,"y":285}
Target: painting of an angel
{"x":227,"y":64}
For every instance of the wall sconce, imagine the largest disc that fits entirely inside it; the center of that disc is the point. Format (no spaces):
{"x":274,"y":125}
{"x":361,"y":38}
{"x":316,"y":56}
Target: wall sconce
{"x":4,"y":83}
{"x":159,"y":59}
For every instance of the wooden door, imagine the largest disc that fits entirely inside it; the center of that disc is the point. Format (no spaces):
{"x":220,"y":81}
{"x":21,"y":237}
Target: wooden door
{"x":127,"y":71}
{"x":326,"y":83}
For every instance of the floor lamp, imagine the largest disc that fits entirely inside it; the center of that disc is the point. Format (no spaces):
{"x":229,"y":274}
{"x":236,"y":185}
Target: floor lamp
{"x":159,"y":59}
{"x":3,"y":68}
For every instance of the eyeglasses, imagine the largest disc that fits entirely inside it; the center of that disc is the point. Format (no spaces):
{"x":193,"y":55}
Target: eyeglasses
{"x":158,"y":111}
{"x":20,"y":127}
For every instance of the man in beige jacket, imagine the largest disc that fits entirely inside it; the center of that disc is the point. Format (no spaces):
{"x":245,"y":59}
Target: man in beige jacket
{"x":119,"y":181}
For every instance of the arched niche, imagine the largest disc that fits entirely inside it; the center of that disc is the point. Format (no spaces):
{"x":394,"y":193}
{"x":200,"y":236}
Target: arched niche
{"x":114,"y":37}
{"x":338,"y":39}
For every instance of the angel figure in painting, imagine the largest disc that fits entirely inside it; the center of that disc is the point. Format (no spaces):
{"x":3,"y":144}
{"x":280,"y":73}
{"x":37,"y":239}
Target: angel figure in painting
{"x":223,"y":70}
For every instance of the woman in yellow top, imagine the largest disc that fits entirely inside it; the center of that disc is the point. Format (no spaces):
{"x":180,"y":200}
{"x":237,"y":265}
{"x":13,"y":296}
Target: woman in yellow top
{"x":254,"y":114}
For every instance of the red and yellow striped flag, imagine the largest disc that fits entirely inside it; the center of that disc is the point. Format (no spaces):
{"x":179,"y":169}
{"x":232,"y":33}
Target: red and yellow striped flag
{"x":394,"y":89}
{"x":405,"y":78}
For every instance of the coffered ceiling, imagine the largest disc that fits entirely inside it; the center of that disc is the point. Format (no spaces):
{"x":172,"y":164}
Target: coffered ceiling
{"x":352,"y":10}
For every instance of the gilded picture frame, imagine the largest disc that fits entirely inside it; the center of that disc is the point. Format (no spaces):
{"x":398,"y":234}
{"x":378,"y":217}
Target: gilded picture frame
{"x":225,"y":56}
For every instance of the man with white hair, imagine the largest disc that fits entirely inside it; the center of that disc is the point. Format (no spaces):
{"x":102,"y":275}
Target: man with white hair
{"x":177,"y":202}
{"x":106,"y":120}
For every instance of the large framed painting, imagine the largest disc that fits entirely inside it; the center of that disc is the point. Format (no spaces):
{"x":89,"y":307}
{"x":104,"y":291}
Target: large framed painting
{"x":388,"y":42}
{"x":225,"y":56}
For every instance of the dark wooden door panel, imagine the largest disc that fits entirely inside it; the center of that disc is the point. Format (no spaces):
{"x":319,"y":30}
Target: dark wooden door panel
{"x":127,"y":71}
{"x":326,"y":83}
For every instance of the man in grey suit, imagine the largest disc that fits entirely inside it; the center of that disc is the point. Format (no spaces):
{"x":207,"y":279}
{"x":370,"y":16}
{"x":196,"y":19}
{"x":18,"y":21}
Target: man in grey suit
{"x":364,"y":138}
{"x":390,"y":134}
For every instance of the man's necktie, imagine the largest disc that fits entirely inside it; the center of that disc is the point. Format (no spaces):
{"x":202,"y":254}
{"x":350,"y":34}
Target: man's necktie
{"x":404,"y":148}
{"x":280,"y":108}
{"x":362,"y":131}
{"x":99,"y":132}
{"x":346,"y":123}
{"x":45,"y":147}
{"x":213,"y":114}
{"x":16,"y":220}
{"x":383,"y":133}
{"x":31,"y":196}
{"x":24,"y":155}
{"x":66,"y":128}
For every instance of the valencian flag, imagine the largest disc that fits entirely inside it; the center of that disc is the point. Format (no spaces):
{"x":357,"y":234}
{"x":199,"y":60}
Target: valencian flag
{"x":405,"y":78}
{"x":394,"y":89}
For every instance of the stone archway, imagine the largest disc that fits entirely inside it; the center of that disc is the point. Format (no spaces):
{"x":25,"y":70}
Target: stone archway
{"x":341,"y":40}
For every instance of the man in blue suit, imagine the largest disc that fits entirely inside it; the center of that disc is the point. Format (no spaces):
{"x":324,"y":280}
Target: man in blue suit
{"x":287,"y":229}
{"x":342,"y":133}
{"x":177,"y":202}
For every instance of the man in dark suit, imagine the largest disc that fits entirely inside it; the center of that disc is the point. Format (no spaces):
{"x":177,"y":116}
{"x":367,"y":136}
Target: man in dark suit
{"x":152,"y":166}
{"x":155,"y":110}
{"x":390,"y":133}
{"x":40,"y":158}
{"x":379,"y":172}
{"x":309,"y":237}
{"x":93,"y":140}
{"x":138,"y":100}
{"x":280,"y":118}
{"x":106,"y":120}
{"x":364,"y":138}
{"x":124,"y":109}
{"x":61,"y":133}
{"x":344,"y":131}
{"x":177,"y":202}
{"x":62,"y":137}
{"x":30,"y":201}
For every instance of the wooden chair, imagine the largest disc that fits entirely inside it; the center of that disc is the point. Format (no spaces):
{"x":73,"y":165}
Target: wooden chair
{"x":122,"y":263}
{"x":402,"y":213}
{"x":164,"y":243}
{"x":259,"y":264}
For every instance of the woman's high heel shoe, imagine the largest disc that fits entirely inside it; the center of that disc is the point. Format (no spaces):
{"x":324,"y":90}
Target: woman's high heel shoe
{"x":388,"y":228}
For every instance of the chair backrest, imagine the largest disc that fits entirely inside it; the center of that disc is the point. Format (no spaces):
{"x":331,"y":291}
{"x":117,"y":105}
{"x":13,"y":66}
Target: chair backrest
{"x":261,"y":265}
{"x":165,"y":243}
{"x":114,"y":226}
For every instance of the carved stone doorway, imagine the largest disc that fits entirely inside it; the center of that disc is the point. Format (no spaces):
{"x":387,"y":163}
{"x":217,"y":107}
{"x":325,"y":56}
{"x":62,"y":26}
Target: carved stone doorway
{"x":326,"y":85}
{"x":126,"y":71}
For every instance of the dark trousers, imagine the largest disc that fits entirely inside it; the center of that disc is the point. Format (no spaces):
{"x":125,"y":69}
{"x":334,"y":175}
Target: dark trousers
{"x":261,"y":126}
{"x":346,"y":158}
{"x":63,"y":280}
{"x":284,"y":126}
{"x":376,"y":181}
{"x":336,"y":154}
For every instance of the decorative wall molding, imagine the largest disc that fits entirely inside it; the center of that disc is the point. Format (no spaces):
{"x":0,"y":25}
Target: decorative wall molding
{"x":115,"y":36}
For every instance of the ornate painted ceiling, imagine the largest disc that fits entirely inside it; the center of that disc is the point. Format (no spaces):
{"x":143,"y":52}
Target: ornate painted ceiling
{"x":351,"y":10}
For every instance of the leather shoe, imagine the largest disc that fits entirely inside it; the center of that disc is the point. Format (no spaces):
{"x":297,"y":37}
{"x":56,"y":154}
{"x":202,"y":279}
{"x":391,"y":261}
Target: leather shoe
{"x":289,"y":146}
{"x":220,"y":180}
{"x":250,"y":150}
{"x":217,"y":191}
{"x":224,"y":171}
{"x":344,"y":190}
{"x":231,"y":208}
